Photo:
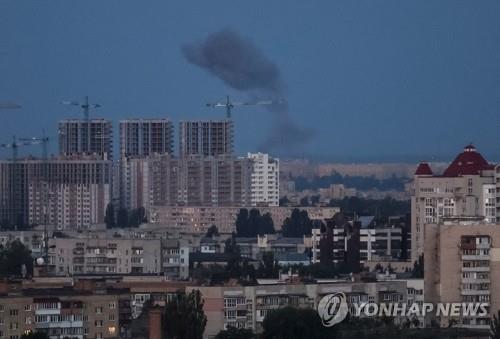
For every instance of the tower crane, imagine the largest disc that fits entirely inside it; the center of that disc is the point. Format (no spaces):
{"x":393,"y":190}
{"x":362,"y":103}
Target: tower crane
{"x":229,"y":105}
{"x":85,"y":106}
{"x":43,"y":140}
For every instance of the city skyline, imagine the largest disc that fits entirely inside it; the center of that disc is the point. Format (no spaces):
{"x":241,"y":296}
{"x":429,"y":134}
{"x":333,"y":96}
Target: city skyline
{"x":379,"y":75}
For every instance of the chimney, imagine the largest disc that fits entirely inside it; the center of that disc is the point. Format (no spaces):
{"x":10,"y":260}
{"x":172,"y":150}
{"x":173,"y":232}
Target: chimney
{"x":155,"y":328}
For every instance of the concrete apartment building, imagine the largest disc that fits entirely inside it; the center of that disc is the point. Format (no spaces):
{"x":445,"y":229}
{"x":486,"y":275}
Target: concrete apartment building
{"x":247,"y":306}
{"x":144,"y":137}
{"x":462,"y":265}
{"x":265,"y":180}
{"x":69,"y":256}
{"x":61,"y":313}
{"x":163,"y":180}
{"x":205,"y":138}
{"x":376,"y":244}
{"x":69,"y":192}
{"x":467,"y":188}
{"x":79,"y":137}
{"x":197,"y":219}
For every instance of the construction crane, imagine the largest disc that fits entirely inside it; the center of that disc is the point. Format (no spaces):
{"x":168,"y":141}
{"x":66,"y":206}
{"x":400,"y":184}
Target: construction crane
{"x":229,"y":105}
{"x":85,"y":106}
{"x":14,"y":145}
{"x":43,"y":140}
{"x":9,"y":105}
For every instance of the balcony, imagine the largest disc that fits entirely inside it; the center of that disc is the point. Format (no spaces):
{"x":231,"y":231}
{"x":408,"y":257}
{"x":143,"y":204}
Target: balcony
{"x":475,"y":257}
{"x":476,"y":269}
{"x":475,"y":292}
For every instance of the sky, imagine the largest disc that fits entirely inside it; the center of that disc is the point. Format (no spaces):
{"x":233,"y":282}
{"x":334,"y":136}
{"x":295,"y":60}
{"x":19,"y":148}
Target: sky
{"x":372,"y":80}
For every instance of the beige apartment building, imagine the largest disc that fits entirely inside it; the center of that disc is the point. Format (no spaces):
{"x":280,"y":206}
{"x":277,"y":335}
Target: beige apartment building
{"x":247,"y":306}
{"x":462,"y":264}
{"x":198,"y":219}
{"x":69,"y":256}
{"x":467,"y":188}
{"x":163,"y":180}
{"x":61,"y":313}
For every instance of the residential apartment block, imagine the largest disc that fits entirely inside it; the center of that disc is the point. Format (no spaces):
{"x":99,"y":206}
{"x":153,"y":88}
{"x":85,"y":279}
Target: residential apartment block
{"x":66,"y":192}
{"x":197,"y":219}
{"x":144,"y":137}
{"x":206,"y":138}
{"x":81,"y":137}
{"x":265,"y":180}
{"x":61,"y":312}
{"x":247,"y":306}
{"x":462,"y":265}
{"x":189,"y":181}
{"x":467,"y":188}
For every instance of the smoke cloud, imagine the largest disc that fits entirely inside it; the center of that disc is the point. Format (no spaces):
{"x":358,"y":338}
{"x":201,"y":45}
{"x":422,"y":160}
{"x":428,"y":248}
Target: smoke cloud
{"x":242,"y":66}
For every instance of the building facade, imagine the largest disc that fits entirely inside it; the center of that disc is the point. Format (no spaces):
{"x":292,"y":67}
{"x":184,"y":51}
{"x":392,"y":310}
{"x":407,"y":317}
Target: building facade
{"x":265,"y":180}
{"x":462,"y":264}
{"x":189,"y":181}
{"x":144,"y":137}
{"x":467,"y":188}
{"x":81,"y":137}
{"x":64,"y":191}
{"x":206,"y":138}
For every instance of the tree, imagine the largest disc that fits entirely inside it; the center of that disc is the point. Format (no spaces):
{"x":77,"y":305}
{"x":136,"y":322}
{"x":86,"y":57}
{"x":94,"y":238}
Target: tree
{"x":109,"y":218}
{"x":35,"y":335}
{"x":266,"y":224}
{"x":212,"y":231}
{"x":242,"y":223}
{"x":235,"y":333}
{"x":495,"y":326}
{"x":122,"y":218}
{"x":268,"y":267}
{"x":297,"y":225}
{"x":289,"y":322}
{"x":418,"y":267}
{"x":184,"y":316}
{"x":13,"y":258}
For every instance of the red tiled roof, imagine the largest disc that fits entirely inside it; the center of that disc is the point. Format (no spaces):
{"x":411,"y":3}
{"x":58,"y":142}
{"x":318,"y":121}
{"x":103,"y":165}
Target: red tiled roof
{"x":469,"y":162}
{"x":423,"y":169}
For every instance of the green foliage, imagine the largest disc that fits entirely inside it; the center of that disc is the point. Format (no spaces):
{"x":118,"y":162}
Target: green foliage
{"x":109,"y":218}
{"x":235,"y":333}
{"x":12,"y":259}
{"x":382,"y":209}
{"x":297,"y":225}
{"x":358,"y":182}
{"x":284,"y":201}
{"x":495,"y":326}
{"x":131,"y":218}
{"x":295,"y":323}
{"x":418,"y":268}
{"x":184,"y":316}
{"x":35,"y":335}
{"x":268,"y":267}
{"x":251,"y":224}
{"x":212,"y":231}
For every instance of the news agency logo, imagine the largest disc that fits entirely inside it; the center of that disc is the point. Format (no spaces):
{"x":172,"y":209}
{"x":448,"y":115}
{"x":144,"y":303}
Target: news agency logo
{"x":332,"y":309}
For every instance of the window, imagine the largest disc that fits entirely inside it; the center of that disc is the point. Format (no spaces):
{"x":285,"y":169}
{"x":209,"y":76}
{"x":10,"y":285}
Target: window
{"x":111,"y":317}
{"x":99,"y":323}
{"x":27,"y":307}
{"x":98,"y":310}
{"x":14,"y":312}
{"x":112,"y":306}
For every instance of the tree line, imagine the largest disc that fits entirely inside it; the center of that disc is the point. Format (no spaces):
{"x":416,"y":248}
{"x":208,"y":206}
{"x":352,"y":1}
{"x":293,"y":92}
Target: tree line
{"x":124,"y":217}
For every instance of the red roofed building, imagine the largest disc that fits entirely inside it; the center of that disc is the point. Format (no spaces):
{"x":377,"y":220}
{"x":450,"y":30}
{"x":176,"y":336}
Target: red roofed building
{"x":466,"y":189}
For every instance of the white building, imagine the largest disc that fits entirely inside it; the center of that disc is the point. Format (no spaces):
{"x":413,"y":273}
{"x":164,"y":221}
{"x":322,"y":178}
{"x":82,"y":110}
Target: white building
{"x":265,"y":180}
{"x":467,"y":188}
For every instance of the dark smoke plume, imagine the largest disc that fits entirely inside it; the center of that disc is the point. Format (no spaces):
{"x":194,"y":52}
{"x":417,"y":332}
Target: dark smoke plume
{"x":240,"y":65}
